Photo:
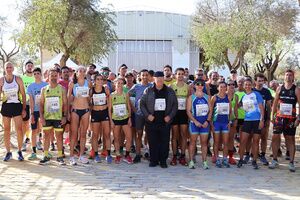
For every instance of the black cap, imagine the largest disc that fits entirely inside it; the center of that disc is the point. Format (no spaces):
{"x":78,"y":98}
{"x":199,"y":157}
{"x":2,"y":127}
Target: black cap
{"x":105,"y":69}
{"x":198,"y":80}
{"x":159,"y":74}
{"x":233,"y":71}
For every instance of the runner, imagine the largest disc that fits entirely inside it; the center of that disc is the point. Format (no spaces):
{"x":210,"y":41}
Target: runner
{"x":252,"y":103}
{"x":119,"y":114}
{"x":267,"y":97}
{"x":13,"y":91}
{"x":27,"y":80}
{"x":100,"y":118}
{"x":53,"y":111}
{"x":79,"y":98}
{"x":234,"y":99}
{"x":34,"y":92}
{"x":198,"y":111}
{"x":180,"y":121}
{"x":221,"y":109}
{"x":285,"y":118}
{"x":137,"y":91}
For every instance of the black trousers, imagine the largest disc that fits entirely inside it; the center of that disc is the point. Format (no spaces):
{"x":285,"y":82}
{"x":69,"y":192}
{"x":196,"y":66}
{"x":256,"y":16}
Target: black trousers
{"x":159,"y":141}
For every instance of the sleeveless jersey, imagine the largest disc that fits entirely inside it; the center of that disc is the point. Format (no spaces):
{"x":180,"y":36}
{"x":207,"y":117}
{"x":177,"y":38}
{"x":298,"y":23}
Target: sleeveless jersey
{"x":241,"y":111}
{"x":287,"y":102}
{"x":181,"y":93}
{"x":119,"y":106}
{"x":200,"y":108}
{"x":99,"y":98}
{"x":221,"y":110}
{"x":11,"y":91}
{"x":53,"y":102}
{"x":81,"y":91}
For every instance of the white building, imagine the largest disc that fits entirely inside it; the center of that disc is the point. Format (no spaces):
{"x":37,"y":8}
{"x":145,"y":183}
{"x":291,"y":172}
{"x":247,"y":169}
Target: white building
{"x":151,"y":39}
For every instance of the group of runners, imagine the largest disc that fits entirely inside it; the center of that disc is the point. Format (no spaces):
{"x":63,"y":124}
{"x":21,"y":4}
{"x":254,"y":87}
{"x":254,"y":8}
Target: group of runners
{"x":147,"y":111}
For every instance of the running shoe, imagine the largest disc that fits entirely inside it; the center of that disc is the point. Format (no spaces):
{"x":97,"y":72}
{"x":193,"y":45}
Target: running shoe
{"x":205,"y":165}
{"x":32,"y":156}
{"x":232,"y":161}
{"x":60,"y":161}
{"x":118,"y":159}
{"x":292,"y":167}
{"x":274,"y":164}
{"x":83,"y":160}
{"x":39,"y":145}
{"x":128,"y":159}
{"x":263,"y":160}
{"x":213,"y":159}
{"x":92,"y":154}
{"x":45,"y":160}
{"x":219,"y":163}
{"x":225,"y":163}
{"x":255,"y":165}
{"x":109,"y":159}
{"x":73,"y":161}
{"x":182,"y":161}
{"x":7,"y":157}
{"x":20,"y":156}
{"x":97,"y":159}
{"x":24,"y":145}
{"x":174,"y":160}
{"x":191,"y":165}
{"x":240,"y":163}
{"x":246,"y":159}
{"x":137,"y":159}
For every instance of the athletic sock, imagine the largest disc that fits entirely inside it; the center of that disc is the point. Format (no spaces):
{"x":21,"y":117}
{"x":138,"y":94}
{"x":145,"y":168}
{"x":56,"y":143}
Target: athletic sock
{"x":59,"y":153}
{"x":127,"y":153}
{"x":34,"y":149}
{"x":108,"y":152}
{"x":46,"y":153}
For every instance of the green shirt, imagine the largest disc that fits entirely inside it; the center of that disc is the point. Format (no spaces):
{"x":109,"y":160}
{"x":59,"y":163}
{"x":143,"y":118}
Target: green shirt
{"x":119,"y":106}
{"x":53,"y":102}
{"x":241,"y":111}
{"x":27,"y":80}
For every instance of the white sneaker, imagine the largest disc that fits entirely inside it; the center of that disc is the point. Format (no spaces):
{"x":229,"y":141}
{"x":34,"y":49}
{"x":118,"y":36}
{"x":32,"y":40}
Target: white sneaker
{"x":83,"y":160}
{"x":73,"y":161}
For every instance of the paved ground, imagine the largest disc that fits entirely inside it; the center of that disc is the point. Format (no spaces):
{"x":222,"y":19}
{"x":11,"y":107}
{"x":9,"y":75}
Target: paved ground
{"x":28,"y":180}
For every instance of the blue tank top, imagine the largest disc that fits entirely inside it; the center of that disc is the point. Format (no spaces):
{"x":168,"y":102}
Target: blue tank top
{"x":221,"y":110}
{"x":200,"y":108}
{"x":81,"y":91}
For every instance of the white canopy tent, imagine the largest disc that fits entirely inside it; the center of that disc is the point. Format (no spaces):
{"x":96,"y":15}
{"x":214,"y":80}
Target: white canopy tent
{"x":56,"y":59}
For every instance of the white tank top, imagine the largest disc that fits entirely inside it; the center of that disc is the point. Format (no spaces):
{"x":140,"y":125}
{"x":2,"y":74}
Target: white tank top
{"x":11,"y":91}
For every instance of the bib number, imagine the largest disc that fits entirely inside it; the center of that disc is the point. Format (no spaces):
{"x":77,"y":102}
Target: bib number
{"x":11,"y":94}
{"x":52,"y":104}
{"x":286,"y":109}
{"x":120,"y":110}
{"x":248,"y":105}
{"x":37,"y":99}
{"x":201,"y":110}
{"x":160,"y":105}
{"x":99,"y":99}
{"x":223,"y":108}
{"x":181,"y":103}
{"x":82,"y":91}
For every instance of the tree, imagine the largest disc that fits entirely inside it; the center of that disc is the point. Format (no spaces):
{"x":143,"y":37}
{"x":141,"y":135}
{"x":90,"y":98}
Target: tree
{"x":236,"y":27}
{"x":78,"y":28}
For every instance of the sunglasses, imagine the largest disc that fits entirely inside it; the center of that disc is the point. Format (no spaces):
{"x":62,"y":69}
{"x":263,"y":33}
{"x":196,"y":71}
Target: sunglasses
{"x":198,"y":84}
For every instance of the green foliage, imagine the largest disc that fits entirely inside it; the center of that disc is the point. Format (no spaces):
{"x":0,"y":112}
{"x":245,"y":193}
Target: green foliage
{"x":241,"y":26}
{"x":78,"y":28}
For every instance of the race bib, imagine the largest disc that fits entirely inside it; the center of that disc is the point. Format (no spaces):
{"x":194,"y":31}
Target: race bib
{"x":99,"y":99}
{"x":52,"y":104}
{"x":248,"y":105}
{"x":132,"y":100}
{"x":286,"y":109}
{"x":37,"y":99}
{"x":82,"y":91}
{"x":223,"y":108}
{"x":160,"y":105}
{"x":181,"y":103}
{"x":120,"y":110}
{"x":11,"y":94}
{"x":201,"y":110}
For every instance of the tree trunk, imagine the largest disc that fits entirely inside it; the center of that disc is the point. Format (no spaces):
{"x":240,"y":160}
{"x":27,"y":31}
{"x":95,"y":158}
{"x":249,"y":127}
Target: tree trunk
{"x":63,"y":60}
